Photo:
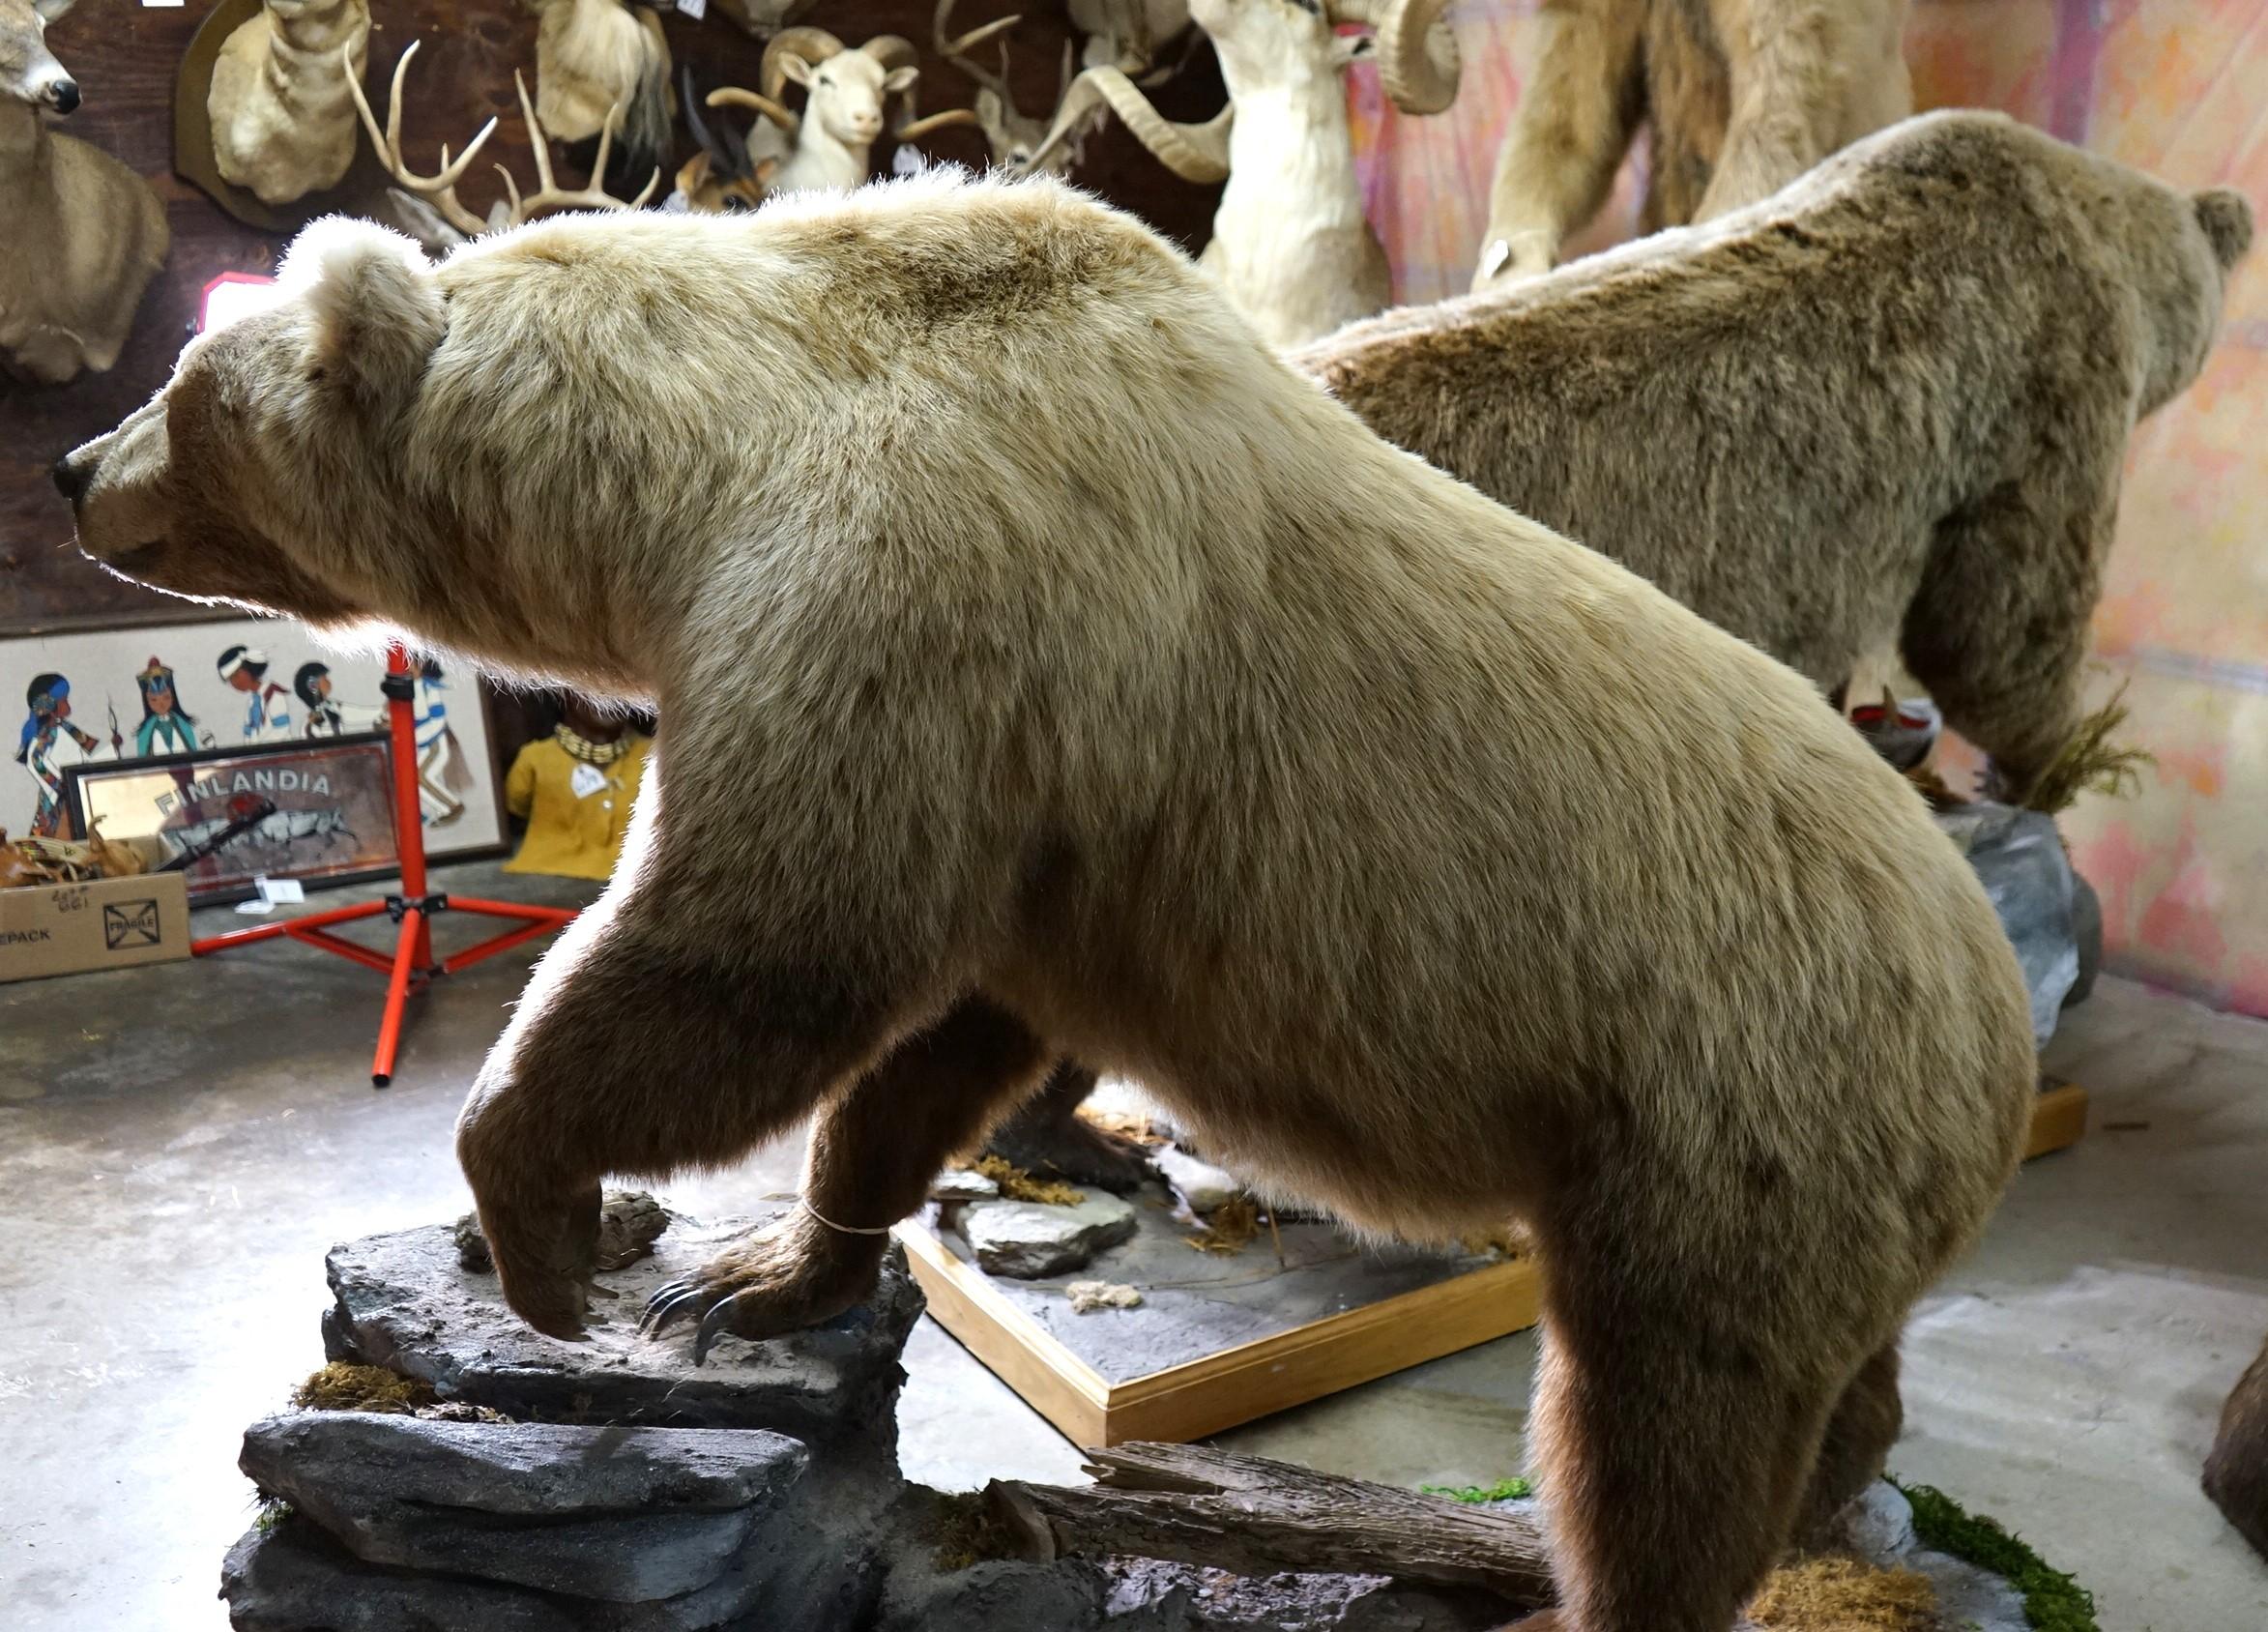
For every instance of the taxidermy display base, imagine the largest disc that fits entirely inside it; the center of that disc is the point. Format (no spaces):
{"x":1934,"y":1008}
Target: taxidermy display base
{"x":1214,"y":1341}
{"x":451,"y":1468}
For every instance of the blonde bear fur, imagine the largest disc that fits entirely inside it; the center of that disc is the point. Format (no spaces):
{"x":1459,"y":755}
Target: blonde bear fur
{"x":1046,"y":667}
{"x":1738,"y":98}
{"x":1887,"y":409}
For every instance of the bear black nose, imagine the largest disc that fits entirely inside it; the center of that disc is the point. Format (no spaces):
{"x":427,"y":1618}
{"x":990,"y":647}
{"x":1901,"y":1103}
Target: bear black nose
{"x":70,"y":481}
{"x":64,"y":95}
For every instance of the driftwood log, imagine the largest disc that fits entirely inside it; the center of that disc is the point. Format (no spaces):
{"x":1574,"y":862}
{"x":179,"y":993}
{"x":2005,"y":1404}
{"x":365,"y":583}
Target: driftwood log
{"x":1250,"y":1516}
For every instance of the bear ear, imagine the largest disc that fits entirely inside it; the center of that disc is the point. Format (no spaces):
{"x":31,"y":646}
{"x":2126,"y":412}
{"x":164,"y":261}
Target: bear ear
{"x":376,"y":310}
{"x":2227,"y":220}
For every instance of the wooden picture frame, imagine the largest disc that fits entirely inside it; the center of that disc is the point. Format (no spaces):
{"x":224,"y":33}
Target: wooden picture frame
{"x":1248,"y":1381}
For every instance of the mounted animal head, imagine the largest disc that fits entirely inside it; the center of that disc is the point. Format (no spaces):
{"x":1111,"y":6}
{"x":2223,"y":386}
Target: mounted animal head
{"x":843,"y":110}
{"x":1012,"y":135}
{"x":723,"y":177}
{"x":1269,"y":44}
{"x":29,"y":73}
{"x":437,"y":193}
{"x":1131,"y":36}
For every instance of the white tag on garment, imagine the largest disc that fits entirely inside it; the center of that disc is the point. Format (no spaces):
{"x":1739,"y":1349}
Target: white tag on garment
{"x":587,"y":780}
{"x":694,"y":9}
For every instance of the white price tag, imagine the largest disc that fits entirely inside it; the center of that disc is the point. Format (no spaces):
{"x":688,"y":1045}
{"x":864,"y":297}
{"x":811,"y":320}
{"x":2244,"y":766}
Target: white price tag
{"x":587,"y":780}
{"x":279,"y":892}
{"x":694,"y":9}
{"x":152,"y":5}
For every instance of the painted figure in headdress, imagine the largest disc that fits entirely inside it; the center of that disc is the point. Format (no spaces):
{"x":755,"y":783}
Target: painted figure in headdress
{"x":441,"y":770}
{"x":166,"y":726}
{"x":312,"y":686}
{"x":267,"y":705}
{"x":47,"y":727}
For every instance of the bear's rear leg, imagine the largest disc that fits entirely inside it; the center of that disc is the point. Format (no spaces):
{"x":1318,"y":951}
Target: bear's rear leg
{"x":1050,"y":1138}
{"x":1856,"y":1446}
{"x":1674,"y":1430}
{"x":875,"y":1148}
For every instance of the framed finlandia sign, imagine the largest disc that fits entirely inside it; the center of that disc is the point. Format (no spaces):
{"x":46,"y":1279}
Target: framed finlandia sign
{"x":317,"y":810}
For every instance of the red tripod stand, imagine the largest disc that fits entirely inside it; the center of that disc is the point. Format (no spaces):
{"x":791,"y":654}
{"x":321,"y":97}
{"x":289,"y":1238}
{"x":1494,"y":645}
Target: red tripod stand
{"x":413,"y":965}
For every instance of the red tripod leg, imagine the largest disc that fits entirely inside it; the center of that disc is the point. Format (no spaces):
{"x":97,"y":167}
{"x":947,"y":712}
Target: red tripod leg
{"x":406,"y":954}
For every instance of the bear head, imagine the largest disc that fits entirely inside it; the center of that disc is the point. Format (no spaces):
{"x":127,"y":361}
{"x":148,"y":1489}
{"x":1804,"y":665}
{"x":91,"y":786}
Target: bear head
{"x":215,"y":489}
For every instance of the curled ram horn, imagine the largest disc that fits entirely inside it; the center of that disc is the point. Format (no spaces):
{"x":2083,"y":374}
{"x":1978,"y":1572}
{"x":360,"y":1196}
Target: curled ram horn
{"x":813,"y":45}
{"x":1418,"y":64}
{"x":1196,"y":152}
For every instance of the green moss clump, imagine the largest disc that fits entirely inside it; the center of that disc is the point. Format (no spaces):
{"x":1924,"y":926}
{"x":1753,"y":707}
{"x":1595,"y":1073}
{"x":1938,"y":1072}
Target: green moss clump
{"x":1503,"y":1490}
{"x":2053,"y":1601}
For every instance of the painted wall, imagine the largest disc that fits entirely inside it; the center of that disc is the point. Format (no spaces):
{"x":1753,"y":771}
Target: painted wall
{"x":2174,"y":87}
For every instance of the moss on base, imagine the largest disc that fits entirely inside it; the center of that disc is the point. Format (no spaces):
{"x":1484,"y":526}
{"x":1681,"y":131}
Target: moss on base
{"x":2053,"y":1601}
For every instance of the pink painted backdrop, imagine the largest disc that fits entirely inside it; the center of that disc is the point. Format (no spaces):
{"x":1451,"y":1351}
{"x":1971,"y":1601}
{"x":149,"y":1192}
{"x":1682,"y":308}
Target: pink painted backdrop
{"x":2178,"y":88}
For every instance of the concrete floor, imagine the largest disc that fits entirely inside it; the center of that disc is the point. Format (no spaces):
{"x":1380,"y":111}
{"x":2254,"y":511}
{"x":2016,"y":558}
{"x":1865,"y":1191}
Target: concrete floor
{"x":179,"y":1144}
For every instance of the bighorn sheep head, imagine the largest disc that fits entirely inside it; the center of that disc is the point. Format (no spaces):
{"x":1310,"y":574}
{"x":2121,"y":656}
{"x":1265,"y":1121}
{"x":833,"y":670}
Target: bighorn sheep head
{"x":1266,"y":42}
{"x":846,"y":92}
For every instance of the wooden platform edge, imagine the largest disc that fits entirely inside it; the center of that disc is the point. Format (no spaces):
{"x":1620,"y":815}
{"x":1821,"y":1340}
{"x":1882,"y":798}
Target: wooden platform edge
{"x":2059,"y":1119}
{"x":1271,"y":1374}
{"x":1012,"y":1346}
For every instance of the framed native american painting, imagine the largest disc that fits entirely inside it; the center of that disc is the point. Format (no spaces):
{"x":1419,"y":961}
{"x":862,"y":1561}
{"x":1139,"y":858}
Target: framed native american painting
{"x":103,"y":701}
{"x":316,"y":810}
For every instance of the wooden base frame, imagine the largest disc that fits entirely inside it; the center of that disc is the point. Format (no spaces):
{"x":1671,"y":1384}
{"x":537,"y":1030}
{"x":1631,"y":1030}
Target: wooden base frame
{"x":1253,"y":1380}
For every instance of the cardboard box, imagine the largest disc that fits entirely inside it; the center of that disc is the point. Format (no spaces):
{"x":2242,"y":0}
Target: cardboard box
{"x":110,"y":923}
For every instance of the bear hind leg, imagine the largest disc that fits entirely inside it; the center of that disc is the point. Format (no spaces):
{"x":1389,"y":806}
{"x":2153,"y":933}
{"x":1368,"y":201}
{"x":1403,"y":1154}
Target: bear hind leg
{"x":1677,"y":1423}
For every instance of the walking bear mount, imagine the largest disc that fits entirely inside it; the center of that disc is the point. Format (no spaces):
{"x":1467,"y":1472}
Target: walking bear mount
{"x":451,"y":1471}
{"x":1008,"y":715}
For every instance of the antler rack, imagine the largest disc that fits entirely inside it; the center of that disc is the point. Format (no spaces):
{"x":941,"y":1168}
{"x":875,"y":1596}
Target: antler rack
{"x":439,"y":187}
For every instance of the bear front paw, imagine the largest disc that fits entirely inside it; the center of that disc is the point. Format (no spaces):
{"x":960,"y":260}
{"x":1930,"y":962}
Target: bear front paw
{"x":546,"y":1252}
{"x":790,"y":1275}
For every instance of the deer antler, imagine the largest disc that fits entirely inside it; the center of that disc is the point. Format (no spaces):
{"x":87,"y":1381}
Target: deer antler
{"x":548,"y":194}
{"x":956,"y":50}
{"x":1196,"y":152}
{"x":440,"y":188}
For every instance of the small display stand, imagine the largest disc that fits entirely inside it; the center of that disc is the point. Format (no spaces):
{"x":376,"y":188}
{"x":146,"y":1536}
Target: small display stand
{"x":411,"y":967}
{"x":1221,"y":1341}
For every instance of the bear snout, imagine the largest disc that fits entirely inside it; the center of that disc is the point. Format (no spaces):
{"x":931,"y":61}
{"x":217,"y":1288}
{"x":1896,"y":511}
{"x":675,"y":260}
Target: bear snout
{"x":71,"y":480}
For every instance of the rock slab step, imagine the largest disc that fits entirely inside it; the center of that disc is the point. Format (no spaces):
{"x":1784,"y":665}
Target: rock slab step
{"x":627,"y":1515}
{"x":405,"y":1301}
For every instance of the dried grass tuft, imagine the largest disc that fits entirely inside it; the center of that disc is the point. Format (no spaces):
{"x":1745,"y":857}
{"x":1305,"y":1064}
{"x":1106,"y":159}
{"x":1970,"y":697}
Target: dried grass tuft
{"x":1844,"y":1596}
{"x":1020,"y":1186}
{"x":340,"y":1386}
{"x":1228,"y":1228}
{"x":2090,"y":762}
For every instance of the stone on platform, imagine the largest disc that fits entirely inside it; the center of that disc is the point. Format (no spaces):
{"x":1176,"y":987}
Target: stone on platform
{"x":1030,"y":1240}
{"x":1202,"y":1186}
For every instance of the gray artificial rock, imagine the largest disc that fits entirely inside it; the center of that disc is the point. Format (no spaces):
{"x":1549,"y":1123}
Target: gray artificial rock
{"x":2087,"y":929}
{"x":291,"y":1577}
{"x":993,"y":1595}
{"x":405,"y":1301}
{"x":962,"y":1184}
{"x":622,"y":1514}
{"x":1201,"y":1185}
{"x":1147,"y":1595}
{"x":1030,"y":1240}
{"x":1878,"y":1525}
{"x":2020,"y":858}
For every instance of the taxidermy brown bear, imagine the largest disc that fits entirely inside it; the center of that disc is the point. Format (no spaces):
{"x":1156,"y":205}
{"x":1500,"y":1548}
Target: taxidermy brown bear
{"x":1738,"y":99}
{"x":1048,"y":668}
{"x":2236,"y":1473}
{"x":1885,"y":410}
